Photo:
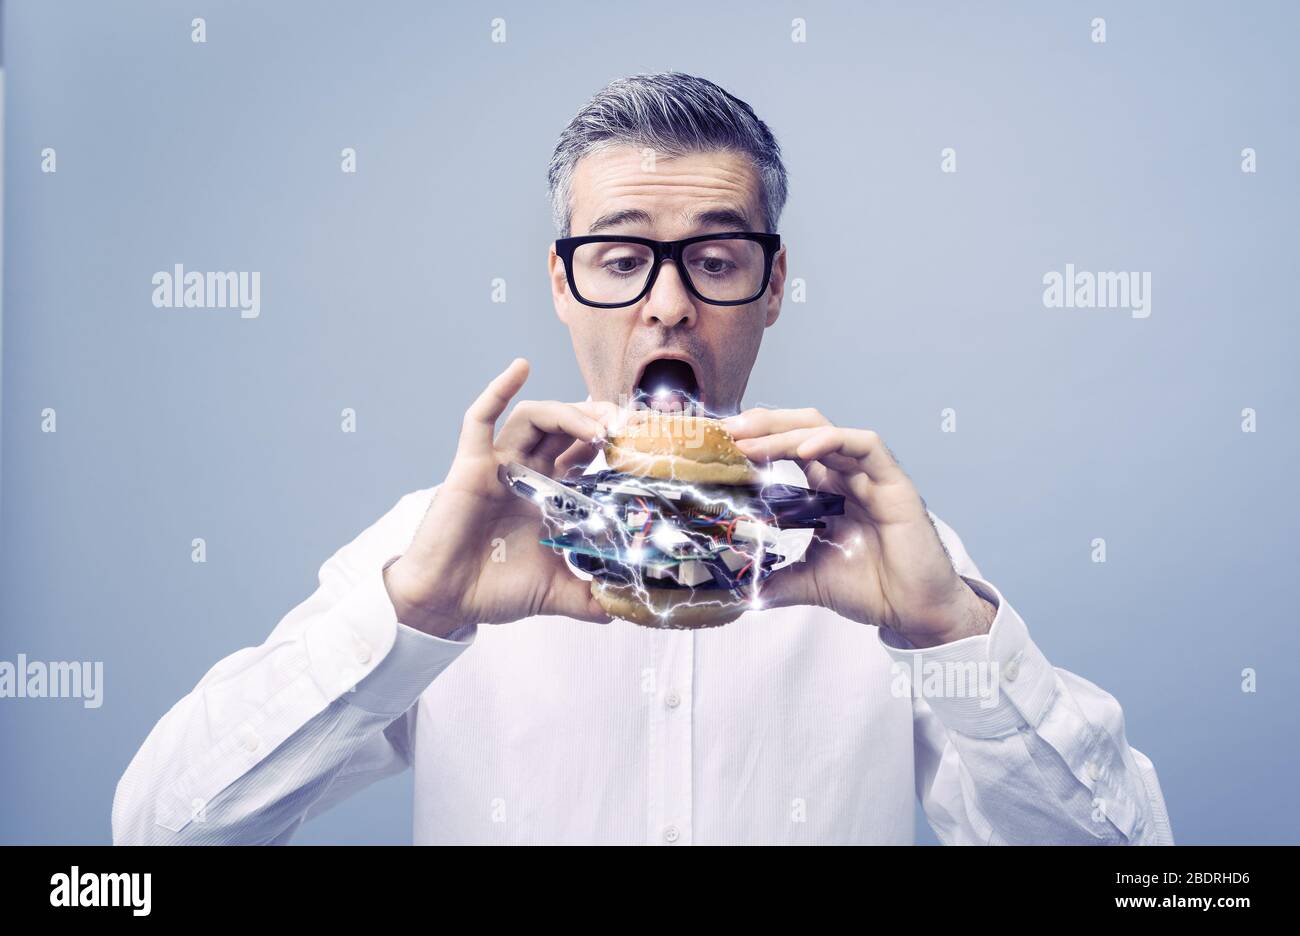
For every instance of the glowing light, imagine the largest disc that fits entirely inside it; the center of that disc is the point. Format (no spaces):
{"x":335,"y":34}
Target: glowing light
{"x":614,"y":525}
{"x":666,"y":536}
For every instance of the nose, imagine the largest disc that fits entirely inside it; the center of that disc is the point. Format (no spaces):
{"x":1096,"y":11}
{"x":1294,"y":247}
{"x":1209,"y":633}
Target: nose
{"x":669,"y":304}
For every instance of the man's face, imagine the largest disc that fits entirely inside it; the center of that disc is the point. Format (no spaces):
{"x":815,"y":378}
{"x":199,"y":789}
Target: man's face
{"x":617,"y":191}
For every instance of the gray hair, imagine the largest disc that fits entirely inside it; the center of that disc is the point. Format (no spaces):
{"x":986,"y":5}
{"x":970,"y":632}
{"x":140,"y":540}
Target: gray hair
{"x":671,"y":114}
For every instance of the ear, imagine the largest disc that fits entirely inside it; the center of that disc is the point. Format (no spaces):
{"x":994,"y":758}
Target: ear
{"x":559,"y":284}
{"x":775,"y":288}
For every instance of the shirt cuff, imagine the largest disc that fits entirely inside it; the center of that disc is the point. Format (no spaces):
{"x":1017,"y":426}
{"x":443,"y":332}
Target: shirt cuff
{"x":983,"y":686}
{"x":360,"y":652}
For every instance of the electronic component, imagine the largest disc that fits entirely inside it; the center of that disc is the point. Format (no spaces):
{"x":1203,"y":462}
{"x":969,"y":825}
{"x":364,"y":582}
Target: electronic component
{"x":635,"y":530}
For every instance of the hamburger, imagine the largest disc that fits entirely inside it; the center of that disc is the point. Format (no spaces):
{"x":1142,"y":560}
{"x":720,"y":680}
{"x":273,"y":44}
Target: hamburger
{"x":698,"y":453}
{"x":679,"y":529}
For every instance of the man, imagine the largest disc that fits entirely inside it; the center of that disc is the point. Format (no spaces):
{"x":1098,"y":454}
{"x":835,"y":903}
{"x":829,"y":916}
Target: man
{"x":529,"y":716}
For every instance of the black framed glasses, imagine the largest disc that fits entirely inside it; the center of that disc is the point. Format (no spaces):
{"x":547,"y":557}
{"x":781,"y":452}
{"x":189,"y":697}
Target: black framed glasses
{"x":610,"y":272}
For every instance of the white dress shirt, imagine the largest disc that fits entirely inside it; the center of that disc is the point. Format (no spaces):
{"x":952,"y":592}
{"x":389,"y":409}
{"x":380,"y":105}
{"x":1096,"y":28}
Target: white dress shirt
{"x":785,"y":726}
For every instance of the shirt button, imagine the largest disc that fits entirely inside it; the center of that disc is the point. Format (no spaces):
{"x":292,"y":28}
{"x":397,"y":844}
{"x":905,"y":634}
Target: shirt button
{"x":671,"y":834}
{"x":1012,"y":669}
{"x":1093,"y":772}
{"x":362,"y":652}
{"x":672,"y":699}
{"x":249,"y":740}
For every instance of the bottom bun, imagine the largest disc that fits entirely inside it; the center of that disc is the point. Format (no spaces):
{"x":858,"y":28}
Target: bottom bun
{"x":689,"y":610}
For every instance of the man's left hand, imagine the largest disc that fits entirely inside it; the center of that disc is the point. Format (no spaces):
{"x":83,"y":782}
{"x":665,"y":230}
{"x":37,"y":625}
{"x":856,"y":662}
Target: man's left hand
{"x":882,"y":562}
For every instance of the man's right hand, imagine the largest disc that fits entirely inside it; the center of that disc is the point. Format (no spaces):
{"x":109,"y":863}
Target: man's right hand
{"x":476,"y":558}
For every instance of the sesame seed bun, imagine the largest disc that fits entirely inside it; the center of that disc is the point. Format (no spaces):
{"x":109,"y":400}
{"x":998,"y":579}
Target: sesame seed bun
{"x":676,"y":447}
{"x":679,"y":608}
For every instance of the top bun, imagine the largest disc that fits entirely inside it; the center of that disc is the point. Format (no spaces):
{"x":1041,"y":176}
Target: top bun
{"x":675,"y":447}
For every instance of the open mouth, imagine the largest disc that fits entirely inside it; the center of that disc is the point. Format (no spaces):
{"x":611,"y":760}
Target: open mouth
{"x":667,"y":384}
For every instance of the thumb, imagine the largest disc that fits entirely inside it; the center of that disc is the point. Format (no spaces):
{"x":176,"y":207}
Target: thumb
{"x":571,"y":596}
{"x":787,"y":587}
{"x":575,"y":459}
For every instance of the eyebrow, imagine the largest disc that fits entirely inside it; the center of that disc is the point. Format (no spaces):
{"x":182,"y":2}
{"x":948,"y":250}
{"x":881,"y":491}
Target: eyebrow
{"x":721,"y":217}
{"x":714,"y":217}
{"x":617,"y":218}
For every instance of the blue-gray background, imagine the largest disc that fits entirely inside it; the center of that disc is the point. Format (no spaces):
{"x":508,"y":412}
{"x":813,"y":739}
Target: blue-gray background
{"x":924,"y":292}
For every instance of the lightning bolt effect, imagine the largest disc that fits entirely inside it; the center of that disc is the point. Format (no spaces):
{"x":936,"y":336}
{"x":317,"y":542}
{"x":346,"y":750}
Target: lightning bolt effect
{"x":711,"y":545}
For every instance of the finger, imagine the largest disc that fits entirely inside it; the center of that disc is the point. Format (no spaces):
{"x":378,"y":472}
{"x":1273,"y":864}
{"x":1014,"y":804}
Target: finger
{"x":776,"y":445}
{"x":760,"y":421}
{"x":542,"y":457}
{"x":842,"y":449}
{"x":787,"y":587}
{"x":845,"y":478}
{"x":608,"y":413}
{"x":481,"y":418}
{"x":552,"y":446}
{"x":571,"y":596}
{"x":822,"y":478}
{"x":530,"y":422}
{"x":574,"y":460}
{"x":862,"y":445}
{"x":843,"y":464}
{"x":605,"y":414}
